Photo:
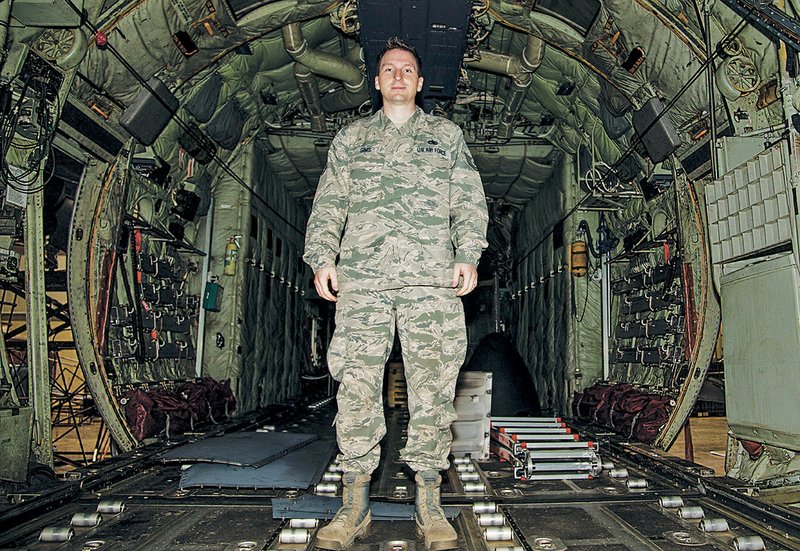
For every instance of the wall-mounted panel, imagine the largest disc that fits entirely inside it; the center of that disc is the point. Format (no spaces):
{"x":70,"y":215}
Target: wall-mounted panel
{"x":762,"y":351}
{"x":748,"y":208}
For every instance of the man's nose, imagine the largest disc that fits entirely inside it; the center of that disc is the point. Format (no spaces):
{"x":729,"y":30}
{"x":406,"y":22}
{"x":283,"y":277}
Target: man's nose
{"x":398,"y":75}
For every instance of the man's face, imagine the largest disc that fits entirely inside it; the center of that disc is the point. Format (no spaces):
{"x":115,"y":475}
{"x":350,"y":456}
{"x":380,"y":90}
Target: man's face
{"x":398,"y":78}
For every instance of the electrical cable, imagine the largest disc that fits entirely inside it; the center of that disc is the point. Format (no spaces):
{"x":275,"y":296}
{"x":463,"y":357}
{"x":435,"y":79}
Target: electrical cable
{"x":183,"y":124}
{"x":583,"y":226}
{"x":636,"y":140}
{"x":137,"y":296}
{"x":588,"y":277}
{"x":40,"y":148}
{"x":135,"y":318}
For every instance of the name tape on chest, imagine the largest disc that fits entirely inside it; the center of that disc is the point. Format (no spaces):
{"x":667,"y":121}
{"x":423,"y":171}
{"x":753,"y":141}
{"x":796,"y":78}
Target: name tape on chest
{"x":431,"y":149}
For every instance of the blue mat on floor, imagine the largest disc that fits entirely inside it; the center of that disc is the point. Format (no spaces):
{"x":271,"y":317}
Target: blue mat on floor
{"x":300,"y":469}
{"x":324,"y":507}
{"x":251,"y":449}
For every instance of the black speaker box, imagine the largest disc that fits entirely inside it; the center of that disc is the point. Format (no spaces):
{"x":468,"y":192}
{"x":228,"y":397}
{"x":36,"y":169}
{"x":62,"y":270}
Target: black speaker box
{"x":198,"y":144}
{"x":661,"y":140}
{"x":147,"y":116}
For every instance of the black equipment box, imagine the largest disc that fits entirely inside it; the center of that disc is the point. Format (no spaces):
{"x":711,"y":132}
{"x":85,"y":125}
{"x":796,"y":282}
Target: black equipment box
{"x":147,"y":116}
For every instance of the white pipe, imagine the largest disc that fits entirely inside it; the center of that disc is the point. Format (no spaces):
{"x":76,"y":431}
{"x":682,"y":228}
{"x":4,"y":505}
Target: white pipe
{"x":201,"y":324}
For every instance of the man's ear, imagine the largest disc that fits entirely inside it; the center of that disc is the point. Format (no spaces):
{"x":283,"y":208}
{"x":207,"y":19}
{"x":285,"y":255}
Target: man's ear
{"x":377,"y":83}
{"x":419,"y":85}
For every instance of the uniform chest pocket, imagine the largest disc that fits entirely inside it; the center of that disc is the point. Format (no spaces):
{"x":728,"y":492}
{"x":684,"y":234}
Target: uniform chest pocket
{"x":432,"y":160}
{"x":365,"y":162}
{"x":365,"y":166}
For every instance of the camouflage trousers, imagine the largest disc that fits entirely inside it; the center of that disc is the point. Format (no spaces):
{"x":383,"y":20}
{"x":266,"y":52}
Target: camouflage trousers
{"x":430,"y":323}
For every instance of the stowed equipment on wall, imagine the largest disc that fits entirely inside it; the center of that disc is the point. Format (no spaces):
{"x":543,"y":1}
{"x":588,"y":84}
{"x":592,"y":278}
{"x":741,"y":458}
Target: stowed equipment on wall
{"x":664,"y":320}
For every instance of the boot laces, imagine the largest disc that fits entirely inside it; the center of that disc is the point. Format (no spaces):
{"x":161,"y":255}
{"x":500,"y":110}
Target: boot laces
{"x":346,"y":514}
{"x":430,"y":508}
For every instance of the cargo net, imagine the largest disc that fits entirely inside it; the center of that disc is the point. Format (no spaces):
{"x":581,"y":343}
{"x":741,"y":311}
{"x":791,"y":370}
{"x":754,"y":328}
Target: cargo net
{"x":175,"y":409}
{"x":624,"y":408}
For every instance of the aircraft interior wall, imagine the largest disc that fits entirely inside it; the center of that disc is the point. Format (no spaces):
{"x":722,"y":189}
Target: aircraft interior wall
{"x":546,"y":309}
{"x":645,"y":149}
{"x":275,"y":324}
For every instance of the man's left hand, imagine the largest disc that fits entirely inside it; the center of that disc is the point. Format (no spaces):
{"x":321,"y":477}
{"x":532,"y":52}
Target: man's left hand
{"x":468,"y":273}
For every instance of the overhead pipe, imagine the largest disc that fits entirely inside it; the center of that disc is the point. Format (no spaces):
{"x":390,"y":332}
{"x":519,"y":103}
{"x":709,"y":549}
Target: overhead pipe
{"x":309,"y":91}
{"x":327,"y":65}
{"x":520,"y":69}
{"x":343,"y":98}
{"x":306,"y":83}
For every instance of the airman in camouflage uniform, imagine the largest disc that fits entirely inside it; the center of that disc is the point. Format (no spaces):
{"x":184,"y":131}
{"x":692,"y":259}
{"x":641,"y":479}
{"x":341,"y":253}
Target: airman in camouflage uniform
{"x":402,"y":206}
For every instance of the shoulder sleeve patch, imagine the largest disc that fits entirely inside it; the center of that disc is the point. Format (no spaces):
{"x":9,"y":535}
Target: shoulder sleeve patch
{"x":469,"y":159}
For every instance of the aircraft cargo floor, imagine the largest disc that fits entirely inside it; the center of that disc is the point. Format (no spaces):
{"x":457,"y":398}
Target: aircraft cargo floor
{"x":601,"y":513}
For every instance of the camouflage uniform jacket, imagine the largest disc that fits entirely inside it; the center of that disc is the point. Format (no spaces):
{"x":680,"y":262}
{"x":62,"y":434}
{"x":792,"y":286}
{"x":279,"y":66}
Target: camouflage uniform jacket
{"x":398,"y":205}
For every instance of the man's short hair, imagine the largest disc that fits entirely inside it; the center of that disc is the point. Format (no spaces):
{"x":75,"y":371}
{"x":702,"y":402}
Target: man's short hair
{"x":397,"y":43}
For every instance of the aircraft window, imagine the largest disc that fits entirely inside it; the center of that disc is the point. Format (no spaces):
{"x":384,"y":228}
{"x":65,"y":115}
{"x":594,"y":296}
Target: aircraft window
{"x":253,"y":226}
{"x":558,"y":235}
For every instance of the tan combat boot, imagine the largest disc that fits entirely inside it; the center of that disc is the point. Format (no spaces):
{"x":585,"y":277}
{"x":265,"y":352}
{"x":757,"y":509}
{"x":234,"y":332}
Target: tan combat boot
{"x":352,"y":520}
{"x":431,"y":520}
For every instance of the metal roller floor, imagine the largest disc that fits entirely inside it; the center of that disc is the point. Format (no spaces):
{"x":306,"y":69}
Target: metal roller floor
{"x":601,"y":513}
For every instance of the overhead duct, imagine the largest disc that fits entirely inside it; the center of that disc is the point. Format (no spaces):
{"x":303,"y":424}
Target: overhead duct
{"x":309,"y":90}
{"x":520,"y":69}
{"x":342,"y":98}
{"x":329,"y":66}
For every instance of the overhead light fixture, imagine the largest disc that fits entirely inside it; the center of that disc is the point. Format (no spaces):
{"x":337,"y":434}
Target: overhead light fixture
{"x":184,"y":43}
{"x":635,"y":58}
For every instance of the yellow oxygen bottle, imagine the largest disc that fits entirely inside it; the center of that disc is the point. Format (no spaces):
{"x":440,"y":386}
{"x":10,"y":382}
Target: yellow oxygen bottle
{"x":231,"y":256}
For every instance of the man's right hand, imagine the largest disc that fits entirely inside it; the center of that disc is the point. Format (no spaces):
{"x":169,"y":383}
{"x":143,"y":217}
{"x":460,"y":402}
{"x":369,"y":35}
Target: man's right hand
{"x":322,"y":279}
